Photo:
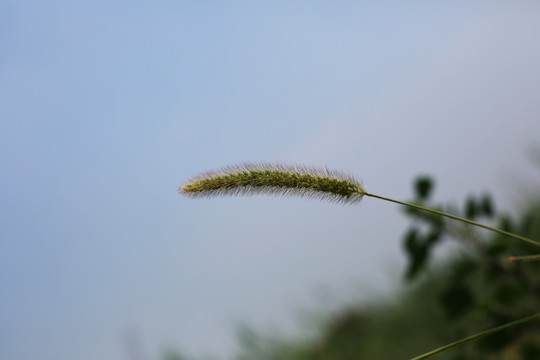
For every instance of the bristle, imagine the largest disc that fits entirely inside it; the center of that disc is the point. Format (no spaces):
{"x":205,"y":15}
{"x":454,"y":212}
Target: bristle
{"x":275,"y":179}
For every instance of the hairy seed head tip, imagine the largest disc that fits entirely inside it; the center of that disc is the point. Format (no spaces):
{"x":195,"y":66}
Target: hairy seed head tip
{"x":275,"y":179}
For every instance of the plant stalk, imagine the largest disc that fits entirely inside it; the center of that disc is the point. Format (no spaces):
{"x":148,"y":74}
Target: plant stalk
{"x":525,"y":258}
{"x":476,"y":336}
{"x":530,"y":241}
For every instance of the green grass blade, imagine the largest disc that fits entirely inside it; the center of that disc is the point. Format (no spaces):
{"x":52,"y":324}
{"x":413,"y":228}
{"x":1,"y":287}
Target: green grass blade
{"x":476,"y":336}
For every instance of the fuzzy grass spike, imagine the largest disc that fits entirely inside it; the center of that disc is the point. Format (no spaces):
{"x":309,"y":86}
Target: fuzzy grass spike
{"x":276,"y":179}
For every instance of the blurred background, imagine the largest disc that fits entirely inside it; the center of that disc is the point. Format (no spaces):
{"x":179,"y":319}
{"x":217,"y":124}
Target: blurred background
{"x":107,"y":107}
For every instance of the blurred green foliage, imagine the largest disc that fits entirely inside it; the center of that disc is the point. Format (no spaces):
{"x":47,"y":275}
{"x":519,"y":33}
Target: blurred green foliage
{"x":446,"y":298}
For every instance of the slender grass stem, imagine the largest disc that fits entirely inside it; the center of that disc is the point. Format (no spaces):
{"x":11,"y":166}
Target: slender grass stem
{"x":442,"y":213}
{"x":476,"y":336}
{"x":525,"y":258}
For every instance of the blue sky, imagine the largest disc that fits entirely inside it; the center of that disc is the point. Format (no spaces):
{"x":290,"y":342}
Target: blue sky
{"x":105,"y":108}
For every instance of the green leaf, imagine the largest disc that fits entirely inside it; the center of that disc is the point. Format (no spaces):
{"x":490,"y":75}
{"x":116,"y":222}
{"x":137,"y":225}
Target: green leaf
{"x":486,"y":205}
{"x":471,"y":210}
{"x":423,"y":187}
{"x":417,"y":252}
{"x":506,"y":223}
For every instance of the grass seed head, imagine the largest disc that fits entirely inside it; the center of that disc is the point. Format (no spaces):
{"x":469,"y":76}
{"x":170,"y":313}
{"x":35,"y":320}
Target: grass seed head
{"x":275,"y":179}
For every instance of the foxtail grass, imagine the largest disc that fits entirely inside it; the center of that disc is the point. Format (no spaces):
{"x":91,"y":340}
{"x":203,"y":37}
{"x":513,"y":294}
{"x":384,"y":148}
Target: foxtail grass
{"x":277,"y":179}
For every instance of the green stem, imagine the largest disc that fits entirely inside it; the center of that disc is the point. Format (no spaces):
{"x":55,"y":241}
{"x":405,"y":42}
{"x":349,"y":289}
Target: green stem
{"x":525,"y":258}
{"x":456,"y":218}
{"x":476,"y":336}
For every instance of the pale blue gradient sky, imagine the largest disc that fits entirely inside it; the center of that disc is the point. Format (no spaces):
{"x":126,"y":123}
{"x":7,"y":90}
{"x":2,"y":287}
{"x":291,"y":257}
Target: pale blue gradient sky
{"x":106,"y":108}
